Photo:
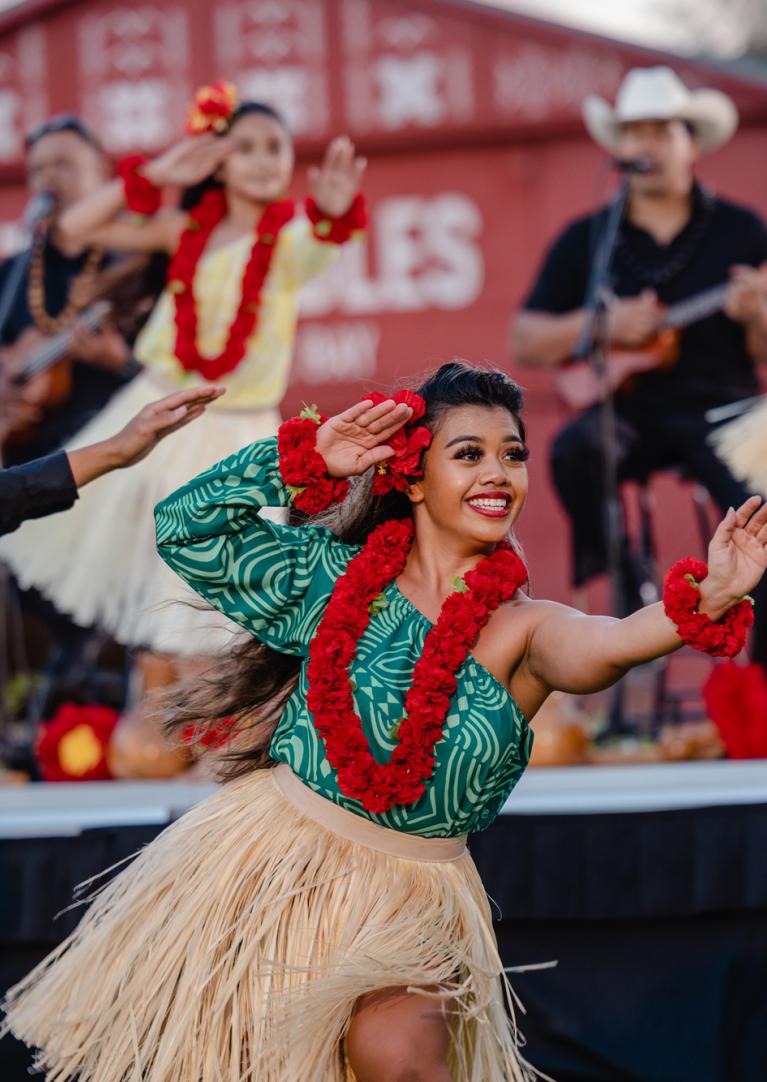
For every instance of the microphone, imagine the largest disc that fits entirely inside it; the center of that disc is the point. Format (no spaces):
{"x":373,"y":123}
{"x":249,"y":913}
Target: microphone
{"x":632,"y":165}
{"x":38,"y":207}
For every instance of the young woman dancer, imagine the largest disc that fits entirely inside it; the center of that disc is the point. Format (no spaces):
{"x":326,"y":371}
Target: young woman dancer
{"x":228,"y":315}
{"x":323,"y":920}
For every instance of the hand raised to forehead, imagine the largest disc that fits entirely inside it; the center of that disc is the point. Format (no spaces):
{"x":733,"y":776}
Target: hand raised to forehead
{"x":353,"y":441}
{"x":189,"y":161}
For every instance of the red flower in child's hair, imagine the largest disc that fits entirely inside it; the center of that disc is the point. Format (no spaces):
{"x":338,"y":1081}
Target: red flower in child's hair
{"x":213,"y":108}
{"x":73,"y":745}
{"x":408,"y":444}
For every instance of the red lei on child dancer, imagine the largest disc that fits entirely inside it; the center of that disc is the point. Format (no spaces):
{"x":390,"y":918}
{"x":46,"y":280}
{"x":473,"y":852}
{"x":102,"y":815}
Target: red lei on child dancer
{"x":378,"y":786}
{"x":203,"y":219}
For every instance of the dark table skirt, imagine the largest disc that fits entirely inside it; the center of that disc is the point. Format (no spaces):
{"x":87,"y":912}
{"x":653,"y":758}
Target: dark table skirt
{"x":658,"y":922}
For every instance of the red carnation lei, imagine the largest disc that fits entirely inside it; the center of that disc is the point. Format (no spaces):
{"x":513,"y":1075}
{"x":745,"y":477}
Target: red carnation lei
{"x":379,"y":786}
{"x":203,"y":219}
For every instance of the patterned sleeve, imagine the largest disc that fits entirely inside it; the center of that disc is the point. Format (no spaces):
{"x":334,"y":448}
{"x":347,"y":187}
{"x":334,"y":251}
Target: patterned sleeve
{"x":273,"y":580}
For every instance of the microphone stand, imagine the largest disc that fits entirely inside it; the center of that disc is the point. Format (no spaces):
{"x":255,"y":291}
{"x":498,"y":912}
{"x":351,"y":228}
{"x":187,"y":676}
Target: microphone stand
{"x":8,"y":606}
{"x":593,"y":345}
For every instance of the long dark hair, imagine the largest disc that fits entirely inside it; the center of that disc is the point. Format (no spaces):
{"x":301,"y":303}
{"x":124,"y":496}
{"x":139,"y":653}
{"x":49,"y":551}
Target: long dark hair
{"x":251,"y":686}
{"x":191,"y":196}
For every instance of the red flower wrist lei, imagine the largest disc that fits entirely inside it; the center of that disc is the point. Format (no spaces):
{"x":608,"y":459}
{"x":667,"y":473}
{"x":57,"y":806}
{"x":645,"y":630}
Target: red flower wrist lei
{"x":303,"y":468}
{"x":141,"y":195}
{"x":337,"y":230}
{"x":681,"y":597}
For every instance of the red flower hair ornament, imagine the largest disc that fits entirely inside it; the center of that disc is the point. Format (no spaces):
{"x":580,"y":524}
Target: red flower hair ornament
{"x":213,"y":108}
{"x":408,"y":444}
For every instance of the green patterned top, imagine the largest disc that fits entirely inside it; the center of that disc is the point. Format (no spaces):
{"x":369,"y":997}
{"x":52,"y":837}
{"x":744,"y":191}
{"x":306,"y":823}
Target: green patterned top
{"x":275,"y":581}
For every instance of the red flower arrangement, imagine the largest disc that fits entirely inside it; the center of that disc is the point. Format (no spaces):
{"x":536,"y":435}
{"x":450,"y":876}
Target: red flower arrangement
{"x":213,"y":108}
{"x":379,"y":786}
{"x":408,"y":443}
{"x":141,"y":195}
{"x":303,"y":468}
{"x":337,"y":230}
{"x":73,"y":745}
{"x":203,"y":219}
{"x":736,"y":701}
{"x":681,"y":596}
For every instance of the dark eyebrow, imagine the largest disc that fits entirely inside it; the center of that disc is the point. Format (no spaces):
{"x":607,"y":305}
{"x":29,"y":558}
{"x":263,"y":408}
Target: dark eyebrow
{"x":515,"y":438}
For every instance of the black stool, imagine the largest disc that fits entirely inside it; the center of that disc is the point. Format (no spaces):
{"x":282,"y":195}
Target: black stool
{"x":668,"y":706}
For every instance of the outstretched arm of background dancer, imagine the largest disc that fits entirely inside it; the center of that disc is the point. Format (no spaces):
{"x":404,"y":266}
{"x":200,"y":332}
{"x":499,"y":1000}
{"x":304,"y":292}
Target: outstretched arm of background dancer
{"x":142,"y":434}
{"x":46,"y":486}
{"x":569,"y":651}
{"x":96,"y":219}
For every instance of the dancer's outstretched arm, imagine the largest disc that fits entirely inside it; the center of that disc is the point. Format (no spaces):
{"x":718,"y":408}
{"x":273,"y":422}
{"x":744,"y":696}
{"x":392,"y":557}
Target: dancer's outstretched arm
{"x":569,"y":651}
{"x":48,"y":485}
{"x":142,"y":433}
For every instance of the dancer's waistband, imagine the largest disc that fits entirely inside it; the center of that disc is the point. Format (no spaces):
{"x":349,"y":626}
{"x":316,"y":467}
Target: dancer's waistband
{"x":362,"y":831}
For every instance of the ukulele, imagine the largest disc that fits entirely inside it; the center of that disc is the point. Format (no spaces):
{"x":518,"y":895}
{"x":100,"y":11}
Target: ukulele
{"x":578,"y":386}
{"x":36,"y":371}
{"x":33,"y":381}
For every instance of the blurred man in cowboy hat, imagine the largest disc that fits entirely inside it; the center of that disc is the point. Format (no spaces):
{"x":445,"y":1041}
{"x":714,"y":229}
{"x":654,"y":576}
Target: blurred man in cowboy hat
{"x":677,"y":239}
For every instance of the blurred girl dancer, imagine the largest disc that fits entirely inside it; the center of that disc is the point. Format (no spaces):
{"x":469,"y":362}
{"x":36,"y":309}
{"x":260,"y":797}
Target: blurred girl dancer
{"x":228,"y":315}
{"x":323,"y":920}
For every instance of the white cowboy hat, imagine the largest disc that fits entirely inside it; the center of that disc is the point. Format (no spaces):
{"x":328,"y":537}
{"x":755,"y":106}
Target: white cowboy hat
{"x":659,"y":94}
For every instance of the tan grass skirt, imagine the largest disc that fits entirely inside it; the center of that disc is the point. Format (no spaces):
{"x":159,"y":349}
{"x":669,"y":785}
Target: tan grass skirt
{"x":236,"y":944}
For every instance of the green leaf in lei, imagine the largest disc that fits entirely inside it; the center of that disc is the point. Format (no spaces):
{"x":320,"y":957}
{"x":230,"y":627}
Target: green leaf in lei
{"x":310,"y":413}
{"x":378,"y":604}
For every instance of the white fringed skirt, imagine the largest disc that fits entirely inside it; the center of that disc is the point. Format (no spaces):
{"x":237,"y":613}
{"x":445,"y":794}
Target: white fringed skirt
{"x":742,"y":445}
{"x":238,"y":942}
{"x":97,"y":562}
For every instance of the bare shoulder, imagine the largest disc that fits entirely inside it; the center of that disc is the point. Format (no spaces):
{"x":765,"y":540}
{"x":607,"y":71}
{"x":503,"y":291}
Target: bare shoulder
{"x":532,"y":612}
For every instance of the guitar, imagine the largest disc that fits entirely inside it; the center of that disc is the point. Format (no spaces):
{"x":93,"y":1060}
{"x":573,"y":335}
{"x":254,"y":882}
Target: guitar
{"x":577,"y":385}
{"x":33,"y":380}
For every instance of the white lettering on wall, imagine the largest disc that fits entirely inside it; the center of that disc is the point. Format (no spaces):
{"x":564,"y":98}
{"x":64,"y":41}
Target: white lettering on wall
{"x":336,"y":351}
{"x":426,"y":254}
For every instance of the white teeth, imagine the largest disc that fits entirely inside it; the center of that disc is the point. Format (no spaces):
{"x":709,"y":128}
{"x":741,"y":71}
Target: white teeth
{"x":489,"y":504}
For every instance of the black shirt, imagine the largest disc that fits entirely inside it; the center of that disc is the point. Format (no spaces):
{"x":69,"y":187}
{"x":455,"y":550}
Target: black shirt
{"x":714,"y":366}
{"x":92,"y":387}
{"x":35,"y":489}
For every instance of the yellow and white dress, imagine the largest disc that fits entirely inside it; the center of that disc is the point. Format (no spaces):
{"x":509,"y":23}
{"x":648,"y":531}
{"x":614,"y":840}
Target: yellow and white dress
{"x":97,"y":562}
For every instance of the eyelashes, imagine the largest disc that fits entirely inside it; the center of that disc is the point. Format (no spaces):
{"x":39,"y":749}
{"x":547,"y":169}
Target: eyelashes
{"x":473,"y":454}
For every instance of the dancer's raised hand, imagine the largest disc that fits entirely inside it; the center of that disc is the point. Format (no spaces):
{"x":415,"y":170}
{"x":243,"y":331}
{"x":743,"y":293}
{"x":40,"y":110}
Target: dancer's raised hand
{"x":336,"y":182}
{"x":737,"y":555}
{"x":189,"y":161}
{"x":353,"y":441}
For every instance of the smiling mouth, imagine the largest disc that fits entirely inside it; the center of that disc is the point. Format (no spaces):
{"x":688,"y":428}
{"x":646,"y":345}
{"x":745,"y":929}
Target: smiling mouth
{"x":495,"y":506}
